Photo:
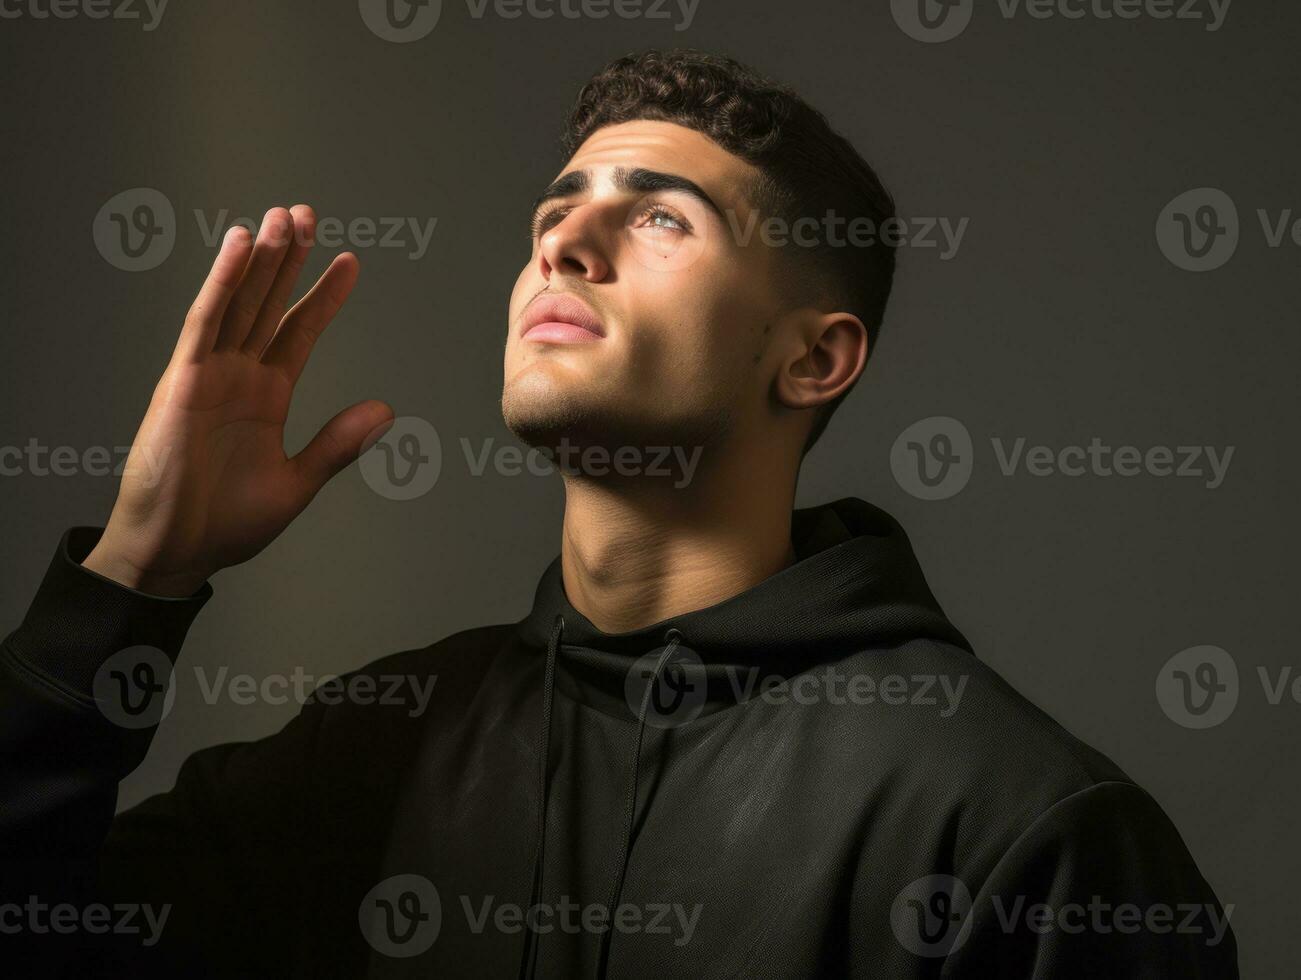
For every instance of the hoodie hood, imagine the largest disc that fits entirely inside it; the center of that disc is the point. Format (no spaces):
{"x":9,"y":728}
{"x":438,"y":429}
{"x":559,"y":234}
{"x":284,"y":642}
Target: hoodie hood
{"x":855,"y":584}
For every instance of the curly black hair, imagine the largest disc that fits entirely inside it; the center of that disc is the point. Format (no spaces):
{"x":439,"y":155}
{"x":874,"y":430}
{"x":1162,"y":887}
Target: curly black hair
{"x":808,"y":169}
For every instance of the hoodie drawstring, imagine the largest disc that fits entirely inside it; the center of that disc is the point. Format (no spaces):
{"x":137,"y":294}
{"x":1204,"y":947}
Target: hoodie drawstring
{"x":672,"y":640}
{"x":528,"y":968}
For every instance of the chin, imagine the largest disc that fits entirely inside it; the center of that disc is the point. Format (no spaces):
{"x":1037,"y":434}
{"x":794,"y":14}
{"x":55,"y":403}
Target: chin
{"x":541,"y":412}
{"x":543,"y":417}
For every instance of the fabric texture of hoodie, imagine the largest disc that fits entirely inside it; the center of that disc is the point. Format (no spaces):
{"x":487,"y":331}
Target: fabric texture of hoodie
{"x":814,"y":778}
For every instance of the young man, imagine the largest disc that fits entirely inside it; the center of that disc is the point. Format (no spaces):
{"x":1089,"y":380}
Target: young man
{"x":729,"y":740}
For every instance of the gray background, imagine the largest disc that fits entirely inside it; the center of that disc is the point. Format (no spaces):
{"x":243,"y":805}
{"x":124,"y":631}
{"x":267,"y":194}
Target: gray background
{"x":1059,"y":320}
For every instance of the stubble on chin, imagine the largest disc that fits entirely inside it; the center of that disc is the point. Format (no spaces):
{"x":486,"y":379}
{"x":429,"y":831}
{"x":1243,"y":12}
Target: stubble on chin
{"x":538,"y":414}
{"x":558,"y":423}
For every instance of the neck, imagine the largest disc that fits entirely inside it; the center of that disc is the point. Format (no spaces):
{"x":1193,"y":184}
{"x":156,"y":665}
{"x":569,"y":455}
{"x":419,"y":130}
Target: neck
{"x":637,"y":552}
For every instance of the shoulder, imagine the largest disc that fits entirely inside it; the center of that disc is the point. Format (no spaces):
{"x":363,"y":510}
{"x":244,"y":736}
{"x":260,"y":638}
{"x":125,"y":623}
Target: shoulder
{"x":992,"y":780}
{"x":400,"y":691}
{"x":971,"y":746}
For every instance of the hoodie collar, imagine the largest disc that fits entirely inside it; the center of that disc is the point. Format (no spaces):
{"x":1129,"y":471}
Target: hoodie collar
{"x":855,"y":585}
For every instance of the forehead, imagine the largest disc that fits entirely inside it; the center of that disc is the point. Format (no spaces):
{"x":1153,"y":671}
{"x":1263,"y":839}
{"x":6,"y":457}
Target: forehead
{"x":669,"y":148}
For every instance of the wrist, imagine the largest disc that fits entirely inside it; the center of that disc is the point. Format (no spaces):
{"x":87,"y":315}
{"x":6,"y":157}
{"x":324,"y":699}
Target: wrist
{"x":111,"y":564}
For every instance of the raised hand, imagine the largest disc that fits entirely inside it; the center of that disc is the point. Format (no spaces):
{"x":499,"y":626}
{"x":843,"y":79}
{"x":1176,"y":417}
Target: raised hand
{"x":207,"y":484}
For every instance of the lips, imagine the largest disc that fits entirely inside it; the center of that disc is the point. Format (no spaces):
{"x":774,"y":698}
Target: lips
{"x":558,"y":319}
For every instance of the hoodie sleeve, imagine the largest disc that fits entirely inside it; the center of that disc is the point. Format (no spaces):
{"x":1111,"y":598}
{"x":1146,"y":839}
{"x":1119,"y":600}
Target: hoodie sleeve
{"x":81,"y":683}
{"x":1101,"y":885}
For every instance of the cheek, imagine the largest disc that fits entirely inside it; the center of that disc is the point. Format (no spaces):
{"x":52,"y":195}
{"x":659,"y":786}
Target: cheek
{"x":523,"y":289}
{"x":732,"y":341}
{"x":729,"y":314}
{"x":520,"y":292}
{"x":694,"y":324}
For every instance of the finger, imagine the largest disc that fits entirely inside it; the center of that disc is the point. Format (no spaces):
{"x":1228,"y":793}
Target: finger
{"x":303,"y":236}
{"x":293,"y":342}
{"x":340,"y":441}
{"x":268,"y":253}
{"x":203,"y":322}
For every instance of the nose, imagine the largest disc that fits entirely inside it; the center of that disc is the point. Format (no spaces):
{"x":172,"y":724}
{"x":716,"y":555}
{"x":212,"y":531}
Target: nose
{"x":575,"y":246}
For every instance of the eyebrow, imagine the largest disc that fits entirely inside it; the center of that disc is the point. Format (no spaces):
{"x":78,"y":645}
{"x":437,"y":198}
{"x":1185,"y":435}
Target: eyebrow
{"x":637,"y":180}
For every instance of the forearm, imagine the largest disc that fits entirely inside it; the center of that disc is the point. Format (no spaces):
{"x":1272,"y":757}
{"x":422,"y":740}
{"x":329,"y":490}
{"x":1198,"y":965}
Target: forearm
{"x":64,"y":742}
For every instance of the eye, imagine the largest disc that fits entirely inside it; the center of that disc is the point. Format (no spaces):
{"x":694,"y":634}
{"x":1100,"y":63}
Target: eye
{"x":546,"y":218}
{"x":661,"y":218}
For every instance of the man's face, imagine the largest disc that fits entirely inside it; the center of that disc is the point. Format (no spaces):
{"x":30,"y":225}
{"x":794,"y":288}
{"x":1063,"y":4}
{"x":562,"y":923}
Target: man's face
{"x":639,"y":229}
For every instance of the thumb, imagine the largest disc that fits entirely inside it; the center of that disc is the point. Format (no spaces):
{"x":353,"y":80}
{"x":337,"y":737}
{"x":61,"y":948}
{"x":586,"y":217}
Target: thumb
{"x":341,"y":440}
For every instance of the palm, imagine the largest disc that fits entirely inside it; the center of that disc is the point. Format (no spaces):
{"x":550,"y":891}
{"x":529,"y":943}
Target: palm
{"x":227,"y":476}
{"x":208,"y":484}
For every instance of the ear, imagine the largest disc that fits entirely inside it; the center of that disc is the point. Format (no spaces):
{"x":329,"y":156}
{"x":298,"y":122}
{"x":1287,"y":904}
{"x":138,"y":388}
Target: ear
{"x":829,"y":358}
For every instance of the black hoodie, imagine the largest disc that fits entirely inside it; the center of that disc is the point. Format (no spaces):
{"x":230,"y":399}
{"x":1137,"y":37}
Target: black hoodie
{"x":815,"y":778}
